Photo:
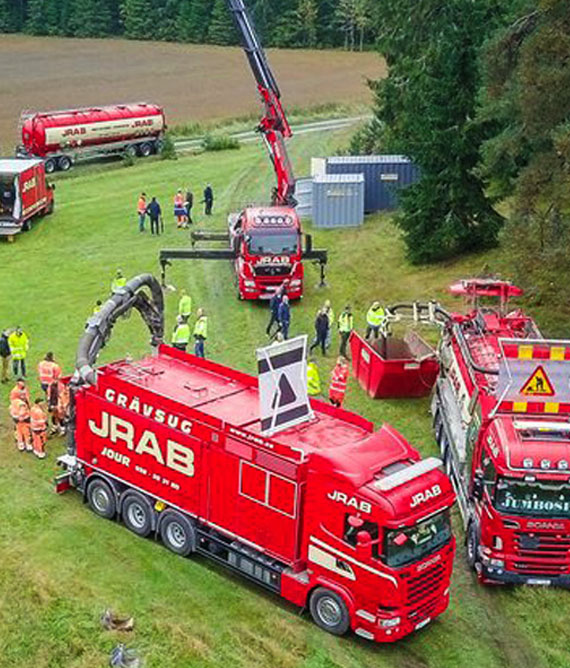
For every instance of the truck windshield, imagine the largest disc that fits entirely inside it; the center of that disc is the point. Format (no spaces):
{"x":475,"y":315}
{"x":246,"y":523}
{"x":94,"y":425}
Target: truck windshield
{"x":403,"y":546}
{"x":262,"y":243}
{"x":537,"y":499}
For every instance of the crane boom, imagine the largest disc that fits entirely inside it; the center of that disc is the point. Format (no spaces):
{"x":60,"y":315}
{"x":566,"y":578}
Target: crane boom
{"x":274,"y":125}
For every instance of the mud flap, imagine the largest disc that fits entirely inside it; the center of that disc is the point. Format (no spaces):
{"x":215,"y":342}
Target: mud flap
{"x":62,"y":483}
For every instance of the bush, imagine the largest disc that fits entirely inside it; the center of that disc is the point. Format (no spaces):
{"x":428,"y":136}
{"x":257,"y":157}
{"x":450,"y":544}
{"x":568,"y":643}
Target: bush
{"x":168,"y":151}
{"x":219,"y":143}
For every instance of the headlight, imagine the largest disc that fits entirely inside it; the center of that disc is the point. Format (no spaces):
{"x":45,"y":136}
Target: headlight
{"x":249,"y":284}
{"x":389,"y":623}
{"x":295,"y":284}
{"x":496,"y":563}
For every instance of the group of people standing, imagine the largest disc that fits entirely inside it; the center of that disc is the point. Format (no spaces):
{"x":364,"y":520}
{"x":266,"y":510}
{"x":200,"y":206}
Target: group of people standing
{"x":183,"y":204}
{"x":280,"y":316}
{"x":182,"y":331}
{"x":31,"y":419}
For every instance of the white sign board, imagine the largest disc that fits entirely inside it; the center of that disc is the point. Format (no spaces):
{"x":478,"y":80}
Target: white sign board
{"x":283,"y":398}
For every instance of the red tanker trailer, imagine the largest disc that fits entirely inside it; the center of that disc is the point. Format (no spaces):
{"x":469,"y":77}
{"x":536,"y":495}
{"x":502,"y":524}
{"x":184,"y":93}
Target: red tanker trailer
{"x":64,"y":137}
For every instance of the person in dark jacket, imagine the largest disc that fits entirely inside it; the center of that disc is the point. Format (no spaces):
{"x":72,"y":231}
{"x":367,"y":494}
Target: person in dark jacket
{"x":5,"y":354}
{"x":284,"y":315}
{"x":321,"y":331}
{"x":189,"y":204}
{"x":208,"y":200}
{"x":155,"y":214}
{"x":274,"y":304}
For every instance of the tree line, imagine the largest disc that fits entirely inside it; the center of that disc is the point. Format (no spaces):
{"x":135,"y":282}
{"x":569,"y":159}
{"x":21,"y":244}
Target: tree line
{"x":282,"y":23}
{"x":478,"y":95}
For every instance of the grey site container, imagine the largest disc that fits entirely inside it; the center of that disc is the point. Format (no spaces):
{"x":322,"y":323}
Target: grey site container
{"x":338,"y":200}
{"x":384,"y":176}
{"x":304,"y":197}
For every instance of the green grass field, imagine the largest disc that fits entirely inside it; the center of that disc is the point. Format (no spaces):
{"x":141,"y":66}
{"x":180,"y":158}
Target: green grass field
{"x":60,"y":566}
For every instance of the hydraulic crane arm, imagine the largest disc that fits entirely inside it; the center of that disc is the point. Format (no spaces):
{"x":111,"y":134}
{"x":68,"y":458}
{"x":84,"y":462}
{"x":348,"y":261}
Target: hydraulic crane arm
{"x":274,"y":125}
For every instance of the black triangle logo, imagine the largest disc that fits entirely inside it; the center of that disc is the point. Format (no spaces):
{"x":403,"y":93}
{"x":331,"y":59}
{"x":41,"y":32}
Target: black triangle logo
{"x":285,"y":393}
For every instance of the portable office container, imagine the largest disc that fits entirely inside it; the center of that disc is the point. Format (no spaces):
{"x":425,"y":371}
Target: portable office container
{"x":338,"y":200}
{"x":304,"y":197}
{"x":384,"y":176}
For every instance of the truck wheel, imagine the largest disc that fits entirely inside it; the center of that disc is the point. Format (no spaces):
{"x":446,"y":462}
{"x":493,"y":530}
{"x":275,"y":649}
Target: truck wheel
{"x":136,"y":513}
{"x":145,"y":149}
{"x":131,"y":151}
{"x":64,"y":163}
{"x":472,"y":544}
{"x":50,"y":166}
{"x":329,"y":611}
{"x":101,"y":499}
{"x":178,"y":534}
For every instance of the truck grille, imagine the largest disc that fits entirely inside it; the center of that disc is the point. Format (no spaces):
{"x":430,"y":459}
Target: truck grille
{"x":424,"y":591}
{"x":541,"y":553}
{"x":280,"y":270}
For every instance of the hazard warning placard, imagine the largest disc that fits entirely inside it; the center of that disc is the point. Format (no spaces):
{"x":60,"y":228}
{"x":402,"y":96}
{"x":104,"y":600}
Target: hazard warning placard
{"x":538,"y":385}
{"x":283,"y":398}
{"x":534,"y":375}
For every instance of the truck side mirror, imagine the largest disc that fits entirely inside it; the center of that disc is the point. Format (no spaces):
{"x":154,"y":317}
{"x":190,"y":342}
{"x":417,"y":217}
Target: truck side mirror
{"x":363,"y":541}
{"x":478,"y":486}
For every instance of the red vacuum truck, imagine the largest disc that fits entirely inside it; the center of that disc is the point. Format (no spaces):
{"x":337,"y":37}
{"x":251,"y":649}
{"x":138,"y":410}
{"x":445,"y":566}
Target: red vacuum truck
{"x":24,"y":194}
{"x":501,"y":412}
{"x":332,"y":516}
{"x":62,"y":138}
{"x":265,"y":244}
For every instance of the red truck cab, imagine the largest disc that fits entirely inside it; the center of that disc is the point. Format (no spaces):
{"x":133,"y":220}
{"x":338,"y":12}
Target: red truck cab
{"x":328,"y":514}
{"x":268,"y":246}
{"x":24,"y":194}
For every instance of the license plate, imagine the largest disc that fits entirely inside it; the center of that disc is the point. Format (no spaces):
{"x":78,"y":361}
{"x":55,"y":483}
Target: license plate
{"x":538,"y":581}
{"x":423,"y":623}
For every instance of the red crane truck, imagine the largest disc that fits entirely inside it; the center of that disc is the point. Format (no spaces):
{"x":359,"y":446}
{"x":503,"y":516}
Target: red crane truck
{"x":329,"y":514}
{"x":265,"y":244}
{"x":501,"y":412}
{"x":62,"y":138}
{"x":24,"y":194}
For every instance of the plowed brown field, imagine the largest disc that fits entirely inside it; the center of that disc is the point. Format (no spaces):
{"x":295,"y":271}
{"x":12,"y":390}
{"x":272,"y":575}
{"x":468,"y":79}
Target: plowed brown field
{"x":194,"y":83}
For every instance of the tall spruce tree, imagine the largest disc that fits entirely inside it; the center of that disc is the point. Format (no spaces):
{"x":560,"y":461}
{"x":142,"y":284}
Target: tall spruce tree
{"x":425,"y":109}
{"x":139,"y":19}
{"x":35,"y":24}
{"x":90,"y":18}
{"x":195,"y":20}
{"x":527,"y":99}
{"x":306,"y":16}
{"x":221,"y":29}
{"x":11,"y":15}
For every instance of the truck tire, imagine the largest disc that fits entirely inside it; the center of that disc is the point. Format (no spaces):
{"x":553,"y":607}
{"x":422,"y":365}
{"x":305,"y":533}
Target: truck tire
{"x":64,"y":163}
{"x":101,"y":499}
{"x":131,"y":151}
{"x":472,"y":546}
{"x":329,"y":611}
{"x":178,"y":534}
{"x":145,"y":149}
{"x":136,"y":513}
{"x":50,"y":166}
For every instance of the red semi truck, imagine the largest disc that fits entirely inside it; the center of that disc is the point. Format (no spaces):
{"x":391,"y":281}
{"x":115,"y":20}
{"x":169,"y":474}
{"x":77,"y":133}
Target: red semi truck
{"x":24,"y":194}
{"x":62,"y":138}
{"x":501,"y":412}
{"x":329,"y":514}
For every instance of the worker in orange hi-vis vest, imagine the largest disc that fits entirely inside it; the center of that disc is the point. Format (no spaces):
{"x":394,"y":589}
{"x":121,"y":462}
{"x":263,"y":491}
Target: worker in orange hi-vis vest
{"x":20,"y":413}
{"x":339,"y":380}
{"x":38,"y":424}
{"x":20,"y":391}
{"x":59,"y":407}
{"x":49,"y":372}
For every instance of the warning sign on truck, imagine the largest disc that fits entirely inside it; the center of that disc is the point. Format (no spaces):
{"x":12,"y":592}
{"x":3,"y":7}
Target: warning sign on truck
{"x":534,"y":376}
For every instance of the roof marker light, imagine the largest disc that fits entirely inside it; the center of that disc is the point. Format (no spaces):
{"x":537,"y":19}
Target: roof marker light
{"x":527,"y":463}
{"x":544,"y":463}
{"x":563,"y":465}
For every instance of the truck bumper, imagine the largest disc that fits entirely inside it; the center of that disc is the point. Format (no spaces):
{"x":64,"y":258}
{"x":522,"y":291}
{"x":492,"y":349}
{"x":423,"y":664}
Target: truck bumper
{"x":265,"y":293}
{"x":489,"y":575}
{"x":371,"y":627}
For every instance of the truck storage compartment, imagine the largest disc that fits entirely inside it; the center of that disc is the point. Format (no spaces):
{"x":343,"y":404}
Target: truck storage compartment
{"x":393,"y":367}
